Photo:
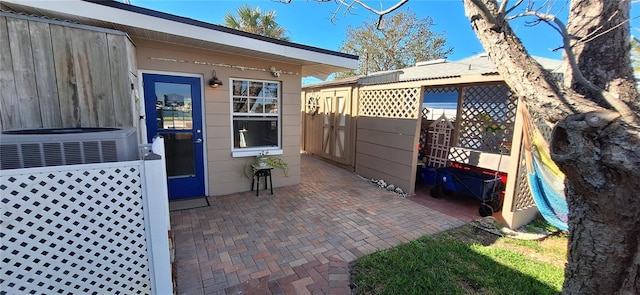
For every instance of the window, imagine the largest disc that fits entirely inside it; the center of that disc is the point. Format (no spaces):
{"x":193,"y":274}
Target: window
{"x":255,"y":111}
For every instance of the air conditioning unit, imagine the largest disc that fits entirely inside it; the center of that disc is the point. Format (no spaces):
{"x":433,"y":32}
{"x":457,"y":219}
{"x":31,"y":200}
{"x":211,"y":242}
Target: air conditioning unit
{"x":66,"y":146}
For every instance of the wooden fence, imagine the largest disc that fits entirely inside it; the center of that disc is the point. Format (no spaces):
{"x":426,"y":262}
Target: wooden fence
{"x":57,"y":74}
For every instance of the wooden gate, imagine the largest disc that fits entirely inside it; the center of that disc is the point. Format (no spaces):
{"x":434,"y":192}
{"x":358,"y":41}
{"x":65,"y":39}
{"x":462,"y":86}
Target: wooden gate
{"x":335,"y":106}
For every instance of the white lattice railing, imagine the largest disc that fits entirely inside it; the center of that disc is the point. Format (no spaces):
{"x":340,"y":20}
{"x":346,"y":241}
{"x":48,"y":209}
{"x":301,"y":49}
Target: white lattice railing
{"x":404,"y":103}
{"x":488,"y":116}
{"x":84,"y":229}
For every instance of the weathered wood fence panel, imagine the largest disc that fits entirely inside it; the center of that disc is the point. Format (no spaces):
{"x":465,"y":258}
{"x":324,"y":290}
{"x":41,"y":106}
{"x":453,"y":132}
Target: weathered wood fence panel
{"x":65,"y":77}
{"x":8,"y":96}
{"x":121,"y":95}
{"x":59,"y":74}
{"x":24,"y":73}
{"x":44,"y":66}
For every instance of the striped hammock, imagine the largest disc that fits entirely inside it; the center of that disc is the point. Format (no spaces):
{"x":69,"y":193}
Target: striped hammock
{"x":546,"y":181}
{"x":551,"y":204}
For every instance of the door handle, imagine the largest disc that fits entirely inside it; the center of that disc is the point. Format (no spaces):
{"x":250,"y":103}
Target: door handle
{"x":199,"y":140}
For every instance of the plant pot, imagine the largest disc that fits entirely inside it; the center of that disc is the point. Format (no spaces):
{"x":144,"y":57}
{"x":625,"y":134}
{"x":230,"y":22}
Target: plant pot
{"x":261,"y":161}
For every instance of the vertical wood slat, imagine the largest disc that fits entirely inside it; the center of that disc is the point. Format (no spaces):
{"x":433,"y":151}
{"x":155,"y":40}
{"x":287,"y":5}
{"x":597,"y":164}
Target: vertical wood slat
{"x":135,"y":104}
{"x":120,"y":89}
{"x":327,"y":118}
{"x":316,"y":126}
{"x":67,"y":85}
{"x":9,"y":114}
{"x":92,"y":74}
{"x":100,"y":77}
{"x":24,"y":75}
{"x":342,"y":128}
{"x":44,"y":67}
{"x":304,"y":98}
{"x":88,"y":116}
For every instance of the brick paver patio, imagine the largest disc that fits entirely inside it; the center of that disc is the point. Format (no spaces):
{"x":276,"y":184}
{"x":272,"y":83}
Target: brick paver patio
{"x":301,"y":239}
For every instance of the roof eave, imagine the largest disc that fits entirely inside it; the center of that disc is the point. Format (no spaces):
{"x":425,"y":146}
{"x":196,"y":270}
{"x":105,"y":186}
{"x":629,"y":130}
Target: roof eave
{"x":315,"y":61}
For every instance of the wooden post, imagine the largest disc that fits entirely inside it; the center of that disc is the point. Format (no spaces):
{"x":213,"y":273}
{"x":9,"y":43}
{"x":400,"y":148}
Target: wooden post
{"x":512,"y":216}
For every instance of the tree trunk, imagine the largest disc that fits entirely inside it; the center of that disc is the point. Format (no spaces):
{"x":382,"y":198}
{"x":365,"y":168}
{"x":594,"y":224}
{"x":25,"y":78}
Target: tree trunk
{"x":604,"y":205}
{"x":600,"y":41}
{"x":597,"y":150}
{"x":602,"y":164}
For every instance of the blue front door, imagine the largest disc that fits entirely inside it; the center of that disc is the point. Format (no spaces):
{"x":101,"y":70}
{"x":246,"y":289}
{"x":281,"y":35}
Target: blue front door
{"x":173,"y":107}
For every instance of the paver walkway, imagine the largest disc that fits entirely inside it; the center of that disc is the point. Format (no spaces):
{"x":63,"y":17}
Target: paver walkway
{"x":299,"y":240}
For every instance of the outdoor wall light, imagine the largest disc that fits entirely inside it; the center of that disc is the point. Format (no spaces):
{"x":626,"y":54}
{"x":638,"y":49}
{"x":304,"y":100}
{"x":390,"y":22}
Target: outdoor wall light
{"x":214,"y":81}
{"x":274,"y":72}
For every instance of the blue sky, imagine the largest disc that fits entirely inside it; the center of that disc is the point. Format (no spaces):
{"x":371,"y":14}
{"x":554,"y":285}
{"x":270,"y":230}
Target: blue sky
{"x":308,"y":22}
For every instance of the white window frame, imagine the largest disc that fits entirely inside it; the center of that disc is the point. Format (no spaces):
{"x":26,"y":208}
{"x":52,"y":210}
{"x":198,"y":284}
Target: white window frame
{"x":254,"y":151}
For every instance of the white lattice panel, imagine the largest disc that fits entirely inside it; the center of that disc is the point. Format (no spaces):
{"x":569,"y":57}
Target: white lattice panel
{"x":424,"y":128}
{"x":73,"y":231}
{"x":459,"y":155}
{"x":426,"y":115}
{"x":404,"y":103}
{"x":488,"y":115}
{"x":440,"y":131}
{"x":523,"y":197}
{"x":544,"y":129}
{"x":441,"y":89}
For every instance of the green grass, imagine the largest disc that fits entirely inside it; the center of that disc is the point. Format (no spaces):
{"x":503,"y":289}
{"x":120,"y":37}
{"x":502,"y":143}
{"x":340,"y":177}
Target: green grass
{"x":444,"y":264}
{"x":539,"y":225}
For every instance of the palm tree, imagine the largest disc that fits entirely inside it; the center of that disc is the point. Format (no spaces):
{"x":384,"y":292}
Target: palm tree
{"x":253,"y":20}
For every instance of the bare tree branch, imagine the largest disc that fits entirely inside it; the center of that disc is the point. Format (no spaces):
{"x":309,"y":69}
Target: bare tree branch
{"x":513,"y":7}
{"x":503,"y":11}
{"x":378,"y":12}
{"x":503,"y":7}
{"x":347,"y":5}
{"x":618,"y":105}
{"x":594,"y":35}
{"x":485,"y":12}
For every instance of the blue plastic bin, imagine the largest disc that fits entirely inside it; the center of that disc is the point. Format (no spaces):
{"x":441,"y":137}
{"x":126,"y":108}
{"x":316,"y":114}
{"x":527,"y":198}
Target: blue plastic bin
{"x":429,"y":175}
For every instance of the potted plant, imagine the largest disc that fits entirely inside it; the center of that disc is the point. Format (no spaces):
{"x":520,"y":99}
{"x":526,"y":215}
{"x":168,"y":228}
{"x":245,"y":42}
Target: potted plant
{"x":264,"y":160}
{"x":261,"y":159}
